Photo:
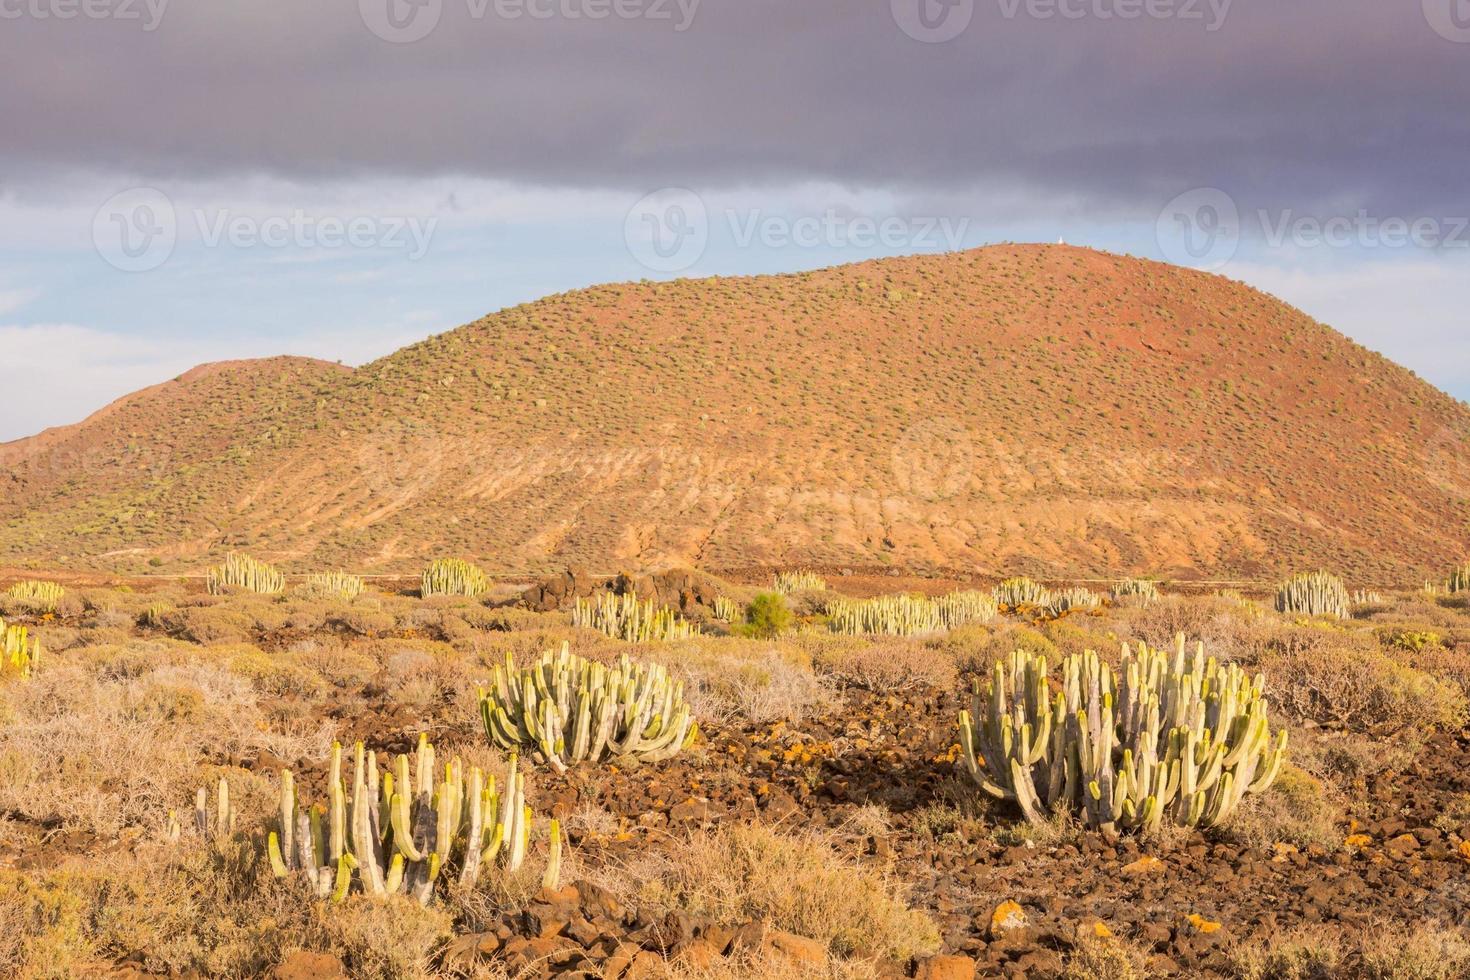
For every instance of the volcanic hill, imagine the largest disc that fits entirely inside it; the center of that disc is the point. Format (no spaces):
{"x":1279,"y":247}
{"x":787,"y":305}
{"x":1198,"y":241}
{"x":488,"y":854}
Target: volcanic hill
{"x":1050,"y":410}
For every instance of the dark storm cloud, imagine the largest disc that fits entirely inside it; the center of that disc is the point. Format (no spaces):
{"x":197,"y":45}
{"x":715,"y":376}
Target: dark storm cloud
{"x":1286,"y":102}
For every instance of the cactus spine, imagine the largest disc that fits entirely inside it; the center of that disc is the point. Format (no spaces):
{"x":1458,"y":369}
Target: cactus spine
{"x":623,"y":617}
{"x":568,"y":709}
{"x":19,"y":652}
{"x":1179,"y":738}
{"x":1313,"y":594}
{"x":243,"y":572}
{"x":453,"y":576}
{"x":399,"y":831}
{"x":40,"y":596}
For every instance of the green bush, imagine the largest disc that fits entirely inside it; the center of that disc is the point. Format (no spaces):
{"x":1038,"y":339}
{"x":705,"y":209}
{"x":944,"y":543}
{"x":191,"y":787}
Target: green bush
{"x":767,"y":616}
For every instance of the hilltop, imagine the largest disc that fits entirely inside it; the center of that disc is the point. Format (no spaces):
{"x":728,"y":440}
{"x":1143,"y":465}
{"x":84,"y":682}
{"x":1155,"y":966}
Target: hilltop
{"x":1045,"y":409}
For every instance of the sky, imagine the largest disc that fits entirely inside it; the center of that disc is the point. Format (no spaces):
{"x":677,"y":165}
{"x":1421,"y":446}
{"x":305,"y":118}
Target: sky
{"x":182,"y":183}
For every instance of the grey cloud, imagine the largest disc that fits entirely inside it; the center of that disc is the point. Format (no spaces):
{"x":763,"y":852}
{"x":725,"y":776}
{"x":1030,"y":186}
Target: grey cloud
{"x":1341,"y":103}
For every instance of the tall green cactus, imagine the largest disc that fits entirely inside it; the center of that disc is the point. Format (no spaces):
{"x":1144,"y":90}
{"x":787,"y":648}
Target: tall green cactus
{"x":1020,"y":593}
{"x":1170,"y":737}
{"x":397,"y":831}
{"x":1313,"y":594}
{"x":243,"y":572}
{"x":568,"y":709}
{"x":20,"y":653}
{"x":40,"y":596}
{"x":338,"y":584}
{"x":908,"y":615}
{"x":1459,"y":580}
{"x":1135,"y":591}
{"x":453,"y":576}
{"x":1061,"y":603}
{"x":798,"y":581}
{"x":623,"y":617}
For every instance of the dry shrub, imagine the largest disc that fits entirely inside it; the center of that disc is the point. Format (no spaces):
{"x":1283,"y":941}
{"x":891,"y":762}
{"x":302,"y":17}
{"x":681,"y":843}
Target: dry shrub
{"x":1447,"y":663}
{"x":976,"y":648}
{"x":887,"y":665}
{"x":103,"y":743}
{"x":1111,"y":958}
{"x":212,"y":624}
{"x":281,"y":675}
{"x":1298,"y":809}
{"x":727,"y":678}
{"x":57,"y":924}
{"x":340,"y":665}
{"x":1329,"y":676}
{"x":1224,"y":626}
{"x":1306,"y":953}
{"x":1347,"y":759}
{"x":1427,"y":951}
{"x":799,"y":882}
{"x":768,"y":965}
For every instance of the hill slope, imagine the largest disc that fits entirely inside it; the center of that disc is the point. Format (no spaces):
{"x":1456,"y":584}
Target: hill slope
{"x":1038,"y":408}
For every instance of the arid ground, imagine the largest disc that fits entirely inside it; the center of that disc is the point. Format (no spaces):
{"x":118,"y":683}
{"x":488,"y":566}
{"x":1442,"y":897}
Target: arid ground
{"x":820,"y":825}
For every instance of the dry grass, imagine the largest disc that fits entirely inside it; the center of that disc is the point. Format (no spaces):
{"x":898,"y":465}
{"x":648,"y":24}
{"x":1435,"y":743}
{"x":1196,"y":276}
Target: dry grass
{"x":798,"y":881}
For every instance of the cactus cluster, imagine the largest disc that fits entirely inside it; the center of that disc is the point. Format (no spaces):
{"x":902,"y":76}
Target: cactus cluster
{"x":965,"y":607}
{"x":908,"y":615}
{"x":1058,"y":604}
{"x":1459,"y":580}
{"x":19,"y":652}
{"x":338,"y":584}
{"x":41,"y":596}
{"x":453,"y":576}
{"x":401,"y":830}
{"x":1021,"y":592}
{"x":800,"y":580}
{"x":624,"y":617}
{"x":568,"y":710}
{"x":1367,"y":597}
{"x":243,"y":572}
{"x":1313,"y":594}
{"x":1170,"y":737}
{"x":1136,"y":591}
{"x":726,"y":609}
